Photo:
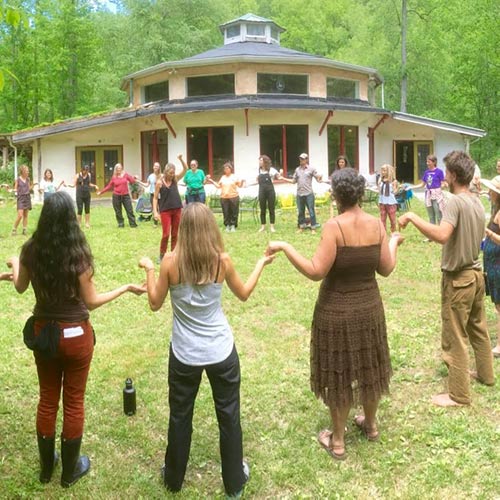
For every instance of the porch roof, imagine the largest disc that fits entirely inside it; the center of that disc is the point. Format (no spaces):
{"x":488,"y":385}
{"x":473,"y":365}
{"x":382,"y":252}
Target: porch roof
{"x":430,"y":122}
{"x":192,"y":105}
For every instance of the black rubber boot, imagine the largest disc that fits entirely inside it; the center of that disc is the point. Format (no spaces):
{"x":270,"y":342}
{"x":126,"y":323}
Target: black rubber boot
{"x":74,"y":466}
{"x":48,"y":457}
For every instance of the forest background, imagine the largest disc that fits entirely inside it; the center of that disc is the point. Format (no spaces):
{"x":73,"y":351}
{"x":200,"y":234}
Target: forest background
{"x":65,"y":58}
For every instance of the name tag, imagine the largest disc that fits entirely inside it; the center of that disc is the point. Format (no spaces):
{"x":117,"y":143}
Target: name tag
{"x":75,"y":331}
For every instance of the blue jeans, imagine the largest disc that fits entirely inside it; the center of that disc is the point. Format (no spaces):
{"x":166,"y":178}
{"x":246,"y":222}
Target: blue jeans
{"x":183,"y":384}
{"x":302,"y":203}
{"x":200,"y":196}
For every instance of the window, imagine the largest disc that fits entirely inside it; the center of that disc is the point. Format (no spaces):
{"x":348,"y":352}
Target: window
{"x":281,"y":84}
{"x":233,"y":31}
{"x":210,"y":85}
{"x":337,"y":87}
{"x":283,"y":144}
{"x":342,"y":140}
{"x":156,"y":92}
{"x":154,"y":147}
{"x":101,"y":159}
{"x":212,"y":147}
{"x":256,"y":30}
{"x":274,"y":33}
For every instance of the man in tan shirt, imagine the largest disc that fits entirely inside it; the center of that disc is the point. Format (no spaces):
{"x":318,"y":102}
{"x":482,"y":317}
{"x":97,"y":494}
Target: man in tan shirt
{"x":462,"y":285}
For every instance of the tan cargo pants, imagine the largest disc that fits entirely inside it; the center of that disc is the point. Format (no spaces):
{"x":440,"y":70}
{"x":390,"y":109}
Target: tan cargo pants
{"x":464,"y":318}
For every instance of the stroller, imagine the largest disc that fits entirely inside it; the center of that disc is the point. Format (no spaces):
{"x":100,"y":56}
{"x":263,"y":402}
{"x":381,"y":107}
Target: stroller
{"x":143,"y":208}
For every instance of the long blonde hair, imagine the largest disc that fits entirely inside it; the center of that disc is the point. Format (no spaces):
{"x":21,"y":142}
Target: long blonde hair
{"x":391,"y":176}
{"x":199,"y":245}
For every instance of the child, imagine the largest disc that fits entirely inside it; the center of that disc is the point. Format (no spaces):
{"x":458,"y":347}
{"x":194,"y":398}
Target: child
{"x":48,"y":185}
{"x":387,"y":200}
{"x":201,"y":340}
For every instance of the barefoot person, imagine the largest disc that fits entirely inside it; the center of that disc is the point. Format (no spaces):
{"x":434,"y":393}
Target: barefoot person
{"x":83,"y":184}
{"x":350,"y":360}
{"x":267,"y":194}
{"x":462,"y":285}
{"x":58,"y":263}
{"x":202,"y":340}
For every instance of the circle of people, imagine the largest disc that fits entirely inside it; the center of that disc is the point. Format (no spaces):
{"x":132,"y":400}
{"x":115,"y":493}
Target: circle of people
{"x":350,"y":360}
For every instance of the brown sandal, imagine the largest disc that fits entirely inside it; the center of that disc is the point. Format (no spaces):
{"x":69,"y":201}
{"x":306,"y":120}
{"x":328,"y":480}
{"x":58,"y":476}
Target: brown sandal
{"x":325,"y":440}
{"x":370,"y":434}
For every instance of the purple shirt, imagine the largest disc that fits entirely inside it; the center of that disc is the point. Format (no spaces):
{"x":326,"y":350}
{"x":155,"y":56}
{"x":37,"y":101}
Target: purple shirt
{"x":433,"y":178}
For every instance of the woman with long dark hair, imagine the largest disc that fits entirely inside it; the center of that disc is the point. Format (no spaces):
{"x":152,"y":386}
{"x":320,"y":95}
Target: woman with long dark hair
{"x":58,"y":263}
{"x":202,"y":340}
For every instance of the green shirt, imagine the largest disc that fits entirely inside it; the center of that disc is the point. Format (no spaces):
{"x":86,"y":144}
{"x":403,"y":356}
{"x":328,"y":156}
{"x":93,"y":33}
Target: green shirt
{"x":194,"y":180}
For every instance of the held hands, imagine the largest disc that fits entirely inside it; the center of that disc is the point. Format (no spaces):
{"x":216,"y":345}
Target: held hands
{"x":404,"y":219}
{"x":274,"y":247}
{"x":6,"y":276}
{"x":137,"y":289}
{"x":179,"y":157}
{"x":398,"y":237}
{"x":146,"y":263}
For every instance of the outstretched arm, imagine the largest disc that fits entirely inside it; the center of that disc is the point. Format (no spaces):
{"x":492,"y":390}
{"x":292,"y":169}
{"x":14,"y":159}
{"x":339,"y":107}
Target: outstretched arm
{"x":318,"y":266}
{"x":235,"y":283}
{"x":157,"y":288}
{"x":178,"y":177}
{"x":20,"y":275}
{"x":388,"y":253}
{"x":93,"y":300}
{"x":440,"y":234}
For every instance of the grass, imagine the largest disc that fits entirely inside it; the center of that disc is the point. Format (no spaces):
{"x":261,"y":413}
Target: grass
{"x":424,"y":451}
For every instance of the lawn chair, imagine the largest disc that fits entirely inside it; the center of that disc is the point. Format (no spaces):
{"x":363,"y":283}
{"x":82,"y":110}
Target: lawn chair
{"x":144,"y":208}
{"x":403,"y":197}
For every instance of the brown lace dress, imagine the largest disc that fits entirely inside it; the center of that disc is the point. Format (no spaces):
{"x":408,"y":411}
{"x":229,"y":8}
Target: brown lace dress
{"x":350,"y":361}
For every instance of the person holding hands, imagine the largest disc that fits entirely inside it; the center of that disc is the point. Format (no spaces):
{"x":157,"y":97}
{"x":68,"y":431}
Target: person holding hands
{"x":58,"y":263}
{"x":167,"y":204}
{"x":462,"y":284}
{"x":350,"y":361}
{"x":202,"y":340}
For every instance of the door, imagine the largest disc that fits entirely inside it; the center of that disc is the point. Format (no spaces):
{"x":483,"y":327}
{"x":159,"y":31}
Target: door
{"x":410,"y":159}
{"x":101,"y":160}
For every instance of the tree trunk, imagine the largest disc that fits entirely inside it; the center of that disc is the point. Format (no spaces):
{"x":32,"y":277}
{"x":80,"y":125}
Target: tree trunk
{"x":404,"y":80}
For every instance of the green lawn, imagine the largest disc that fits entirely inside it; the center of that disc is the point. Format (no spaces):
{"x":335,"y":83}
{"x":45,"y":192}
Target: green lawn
{"x":424,"y":451}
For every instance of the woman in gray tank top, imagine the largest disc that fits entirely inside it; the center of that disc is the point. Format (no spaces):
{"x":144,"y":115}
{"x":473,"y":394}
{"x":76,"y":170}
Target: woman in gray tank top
{"x":202,"y":340}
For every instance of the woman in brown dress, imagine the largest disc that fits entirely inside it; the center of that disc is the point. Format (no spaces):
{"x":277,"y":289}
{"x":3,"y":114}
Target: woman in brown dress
{"x":350,"y":361}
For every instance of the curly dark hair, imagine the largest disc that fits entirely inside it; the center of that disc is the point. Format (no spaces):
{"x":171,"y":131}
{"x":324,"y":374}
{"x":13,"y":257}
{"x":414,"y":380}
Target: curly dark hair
{"x":460,"y":164}
{"x":348,"y":187}
{"x":58,"y":252}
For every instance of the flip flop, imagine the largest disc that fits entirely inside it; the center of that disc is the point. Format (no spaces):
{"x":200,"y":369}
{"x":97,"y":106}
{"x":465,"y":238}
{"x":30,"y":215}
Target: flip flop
{"x":325,"y":439}
{"x":359,"y":421}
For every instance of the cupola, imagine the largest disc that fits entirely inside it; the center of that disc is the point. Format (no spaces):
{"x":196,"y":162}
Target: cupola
{"x":251,"y":28}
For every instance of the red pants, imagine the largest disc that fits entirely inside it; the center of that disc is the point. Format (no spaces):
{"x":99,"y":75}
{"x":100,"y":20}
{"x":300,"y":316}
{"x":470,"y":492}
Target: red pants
{"x":170,"y":220}
{"x":388,"y":210}
{"x":69,"y":370}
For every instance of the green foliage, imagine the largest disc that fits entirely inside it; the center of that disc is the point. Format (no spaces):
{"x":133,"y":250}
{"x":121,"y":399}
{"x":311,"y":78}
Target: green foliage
{"x":69,"y":56}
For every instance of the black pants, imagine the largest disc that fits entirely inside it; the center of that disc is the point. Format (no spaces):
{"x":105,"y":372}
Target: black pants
{"x":267,"y":197}
{"x":230,"y":210}
{"x":118,"y":201}
{"x":82,"y":200}
{"x":183,"y":384}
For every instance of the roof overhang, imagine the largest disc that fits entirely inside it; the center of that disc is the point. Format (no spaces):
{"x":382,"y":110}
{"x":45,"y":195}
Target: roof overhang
{"x":296,"y":60}
{"x":430,"y":122}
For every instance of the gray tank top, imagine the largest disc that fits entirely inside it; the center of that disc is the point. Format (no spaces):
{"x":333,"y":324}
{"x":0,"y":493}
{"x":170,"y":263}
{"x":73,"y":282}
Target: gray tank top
{"x":201,"y":334}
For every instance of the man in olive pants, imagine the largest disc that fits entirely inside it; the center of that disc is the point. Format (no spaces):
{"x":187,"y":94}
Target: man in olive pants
{"x":462,"y":285}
